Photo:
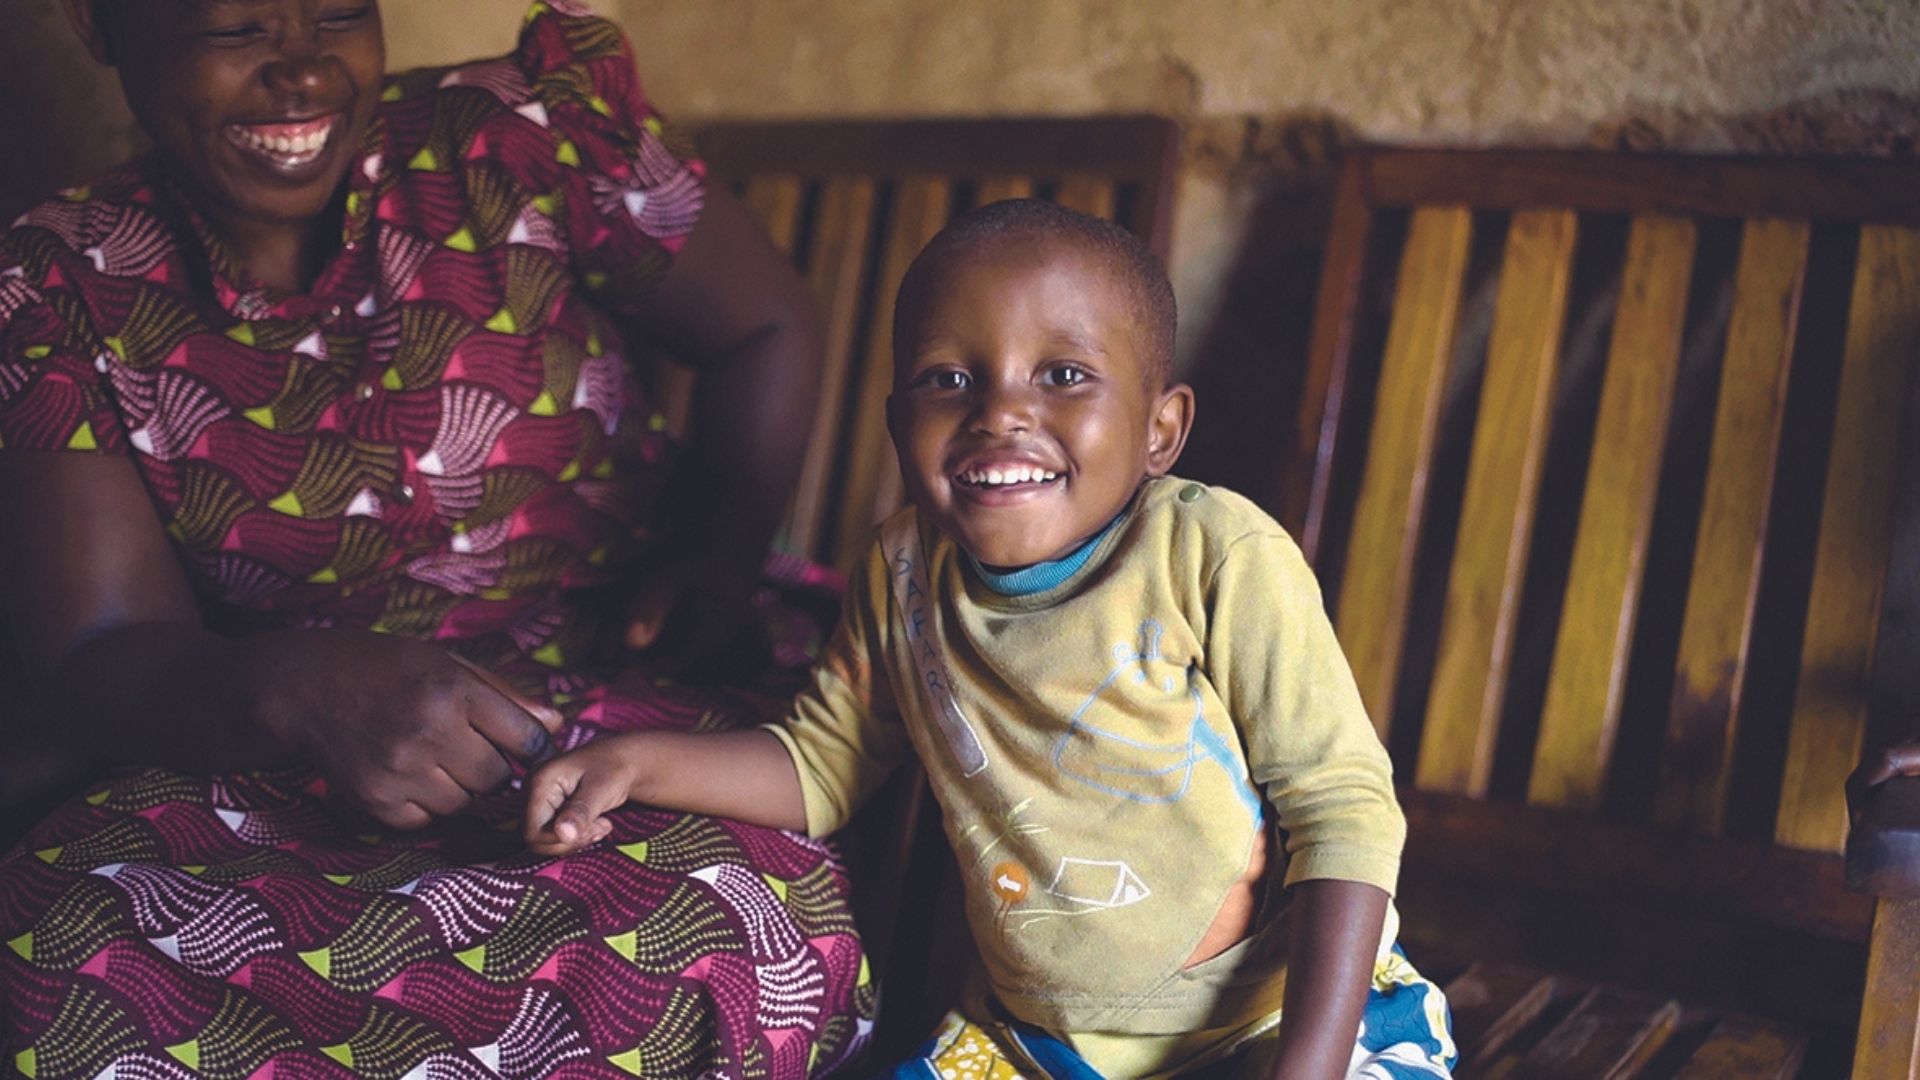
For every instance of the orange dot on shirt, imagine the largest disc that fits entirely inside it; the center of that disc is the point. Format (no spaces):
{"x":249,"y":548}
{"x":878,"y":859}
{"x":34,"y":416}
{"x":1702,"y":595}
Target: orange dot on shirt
{"x":1010,"y":882}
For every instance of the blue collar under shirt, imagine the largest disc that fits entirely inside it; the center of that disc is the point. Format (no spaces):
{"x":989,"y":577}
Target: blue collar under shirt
{"x":1040,"y":577}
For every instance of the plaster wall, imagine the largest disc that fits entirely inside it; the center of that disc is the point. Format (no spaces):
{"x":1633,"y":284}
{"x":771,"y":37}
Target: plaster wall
{"x":1268,"y":87}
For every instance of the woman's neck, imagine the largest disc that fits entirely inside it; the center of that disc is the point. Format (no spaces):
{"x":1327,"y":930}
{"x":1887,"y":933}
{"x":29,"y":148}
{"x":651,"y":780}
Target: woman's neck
{"x":285,"y":256}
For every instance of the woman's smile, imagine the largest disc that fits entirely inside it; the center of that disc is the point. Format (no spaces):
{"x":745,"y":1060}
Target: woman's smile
{"x":293,"y":150}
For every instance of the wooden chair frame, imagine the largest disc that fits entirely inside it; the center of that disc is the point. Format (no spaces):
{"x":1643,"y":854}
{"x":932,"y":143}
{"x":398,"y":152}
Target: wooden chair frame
{"x":1364,"y":484}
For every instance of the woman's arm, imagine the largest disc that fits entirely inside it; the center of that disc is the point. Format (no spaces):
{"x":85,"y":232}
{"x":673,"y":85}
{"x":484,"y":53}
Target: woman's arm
{"x":1335,"y":936}
{"x":114,"y":643}
{"x":734,"y":305}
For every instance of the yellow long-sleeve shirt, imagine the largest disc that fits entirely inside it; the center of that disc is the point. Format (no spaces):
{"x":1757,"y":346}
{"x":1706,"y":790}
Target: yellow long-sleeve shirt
{"x":1095,"y":750}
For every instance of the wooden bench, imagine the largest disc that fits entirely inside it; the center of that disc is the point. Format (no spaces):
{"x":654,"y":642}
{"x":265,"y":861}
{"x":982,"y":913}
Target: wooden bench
{"x":1597,"y":458}
{"x":1608,"y":466}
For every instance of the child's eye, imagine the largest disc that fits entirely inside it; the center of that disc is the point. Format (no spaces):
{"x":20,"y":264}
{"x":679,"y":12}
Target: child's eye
{"x":947,"y":379}
{"x":1067,"y":375}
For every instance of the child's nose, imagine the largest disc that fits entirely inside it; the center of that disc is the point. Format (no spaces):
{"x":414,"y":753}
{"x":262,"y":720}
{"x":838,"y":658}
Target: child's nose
{"x":1003,"y":409}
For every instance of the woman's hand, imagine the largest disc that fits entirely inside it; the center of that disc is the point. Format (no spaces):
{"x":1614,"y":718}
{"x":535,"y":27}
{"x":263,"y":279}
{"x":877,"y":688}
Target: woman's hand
{"x":693,"y":619}
{"x":1900,"y":759}
{"x":569,"y":797}
{"x":401,"y":730}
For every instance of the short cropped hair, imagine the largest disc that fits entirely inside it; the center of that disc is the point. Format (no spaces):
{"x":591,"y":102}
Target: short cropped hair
{"x":1123,"y":253}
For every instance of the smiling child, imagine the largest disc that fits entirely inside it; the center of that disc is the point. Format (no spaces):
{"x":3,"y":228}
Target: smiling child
{"x":1121,"y":685}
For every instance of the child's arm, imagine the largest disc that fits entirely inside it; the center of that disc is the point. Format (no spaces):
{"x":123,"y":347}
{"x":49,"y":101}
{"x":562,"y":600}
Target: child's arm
{"x":744,"y":775}
{"x":1330,"y":953}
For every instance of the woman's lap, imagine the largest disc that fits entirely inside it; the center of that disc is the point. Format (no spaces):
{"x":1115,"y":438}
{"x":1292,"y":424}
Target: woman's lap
{"x":231,"y":924}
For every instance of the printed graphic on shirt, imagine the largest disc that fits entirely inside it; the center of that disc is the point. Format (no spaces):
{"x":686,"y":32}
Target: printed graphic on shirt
{"x":914,"y":600}
{"x":1098,"y":883}
{"x":1144,"y":683}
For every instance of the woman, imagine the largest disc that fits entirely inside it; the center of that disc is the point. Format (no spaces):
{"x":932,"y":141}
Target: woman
{"x":323,"y":464}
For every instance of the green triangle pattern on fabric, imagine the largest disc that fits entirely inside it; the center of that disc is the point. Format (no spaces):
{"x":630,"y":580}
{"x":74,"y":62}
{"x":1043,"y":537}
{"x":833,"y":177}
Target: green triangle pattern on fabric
{"x":544,"y":405}
{"x":392,"y":380}
{"x":262,"y":416}
{"x":625,"y":944}
{"x":636,"y":852}
{"x":288,"y":504}
{"x":866,"y":973}
{"x":342,"y":1054}
{"x":326,"y":575}
{"x":567,"y":153}
{"x":504,"y":322}
{"x":392,"y":93}
{"x":320,"y":960}
{"x":83,"y":439}
{"x":550,"y":655}
{"x":39,"y":352}
{"x":424,"y":161}
{"x":462,"y":240}
{"x":628,"y":1062}
{"x":50,"y":855}
{"x":779,"y":887}
{"x":118,"y":347}
{"x":22,"y":946}
{"x":187,"y":1053}
{"x":99,"y":798}
{"x":242,"y":333}
{"x":475,"y":958}
{"x":27,"y":1062}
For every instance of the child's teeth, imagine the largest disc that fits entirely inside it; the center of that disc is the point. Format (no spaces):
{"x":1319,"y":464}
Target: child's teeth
{"x":993,"y":476}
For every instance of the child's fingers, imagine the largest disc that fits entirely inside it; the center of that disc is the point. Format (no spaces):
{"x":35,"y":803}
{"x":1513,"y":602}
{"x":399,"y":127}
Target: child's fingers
{"x":547,"y":791}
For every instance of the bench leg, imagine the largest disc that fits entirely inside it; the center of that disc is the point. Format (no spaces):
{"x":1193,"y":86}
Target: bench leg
{"x":1889,"y":1044}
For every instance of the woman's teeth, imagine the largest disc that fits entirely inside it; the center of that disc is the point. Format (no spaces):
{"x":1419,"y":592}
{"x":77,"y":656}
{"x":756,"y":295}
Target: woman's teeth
{"x":287,"y":144}
{"x":1019,"y":474}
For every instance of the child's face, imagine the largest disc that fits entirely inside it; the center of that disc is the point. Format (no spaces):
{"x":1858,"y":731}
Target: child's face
{"x":1021,"y":409}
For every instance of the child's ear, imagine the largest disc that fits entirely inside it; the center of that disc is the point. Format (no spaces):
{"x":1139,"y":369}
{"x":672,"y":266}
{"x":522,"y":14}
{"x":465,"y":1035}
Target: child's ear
{"x":1167,"y":429}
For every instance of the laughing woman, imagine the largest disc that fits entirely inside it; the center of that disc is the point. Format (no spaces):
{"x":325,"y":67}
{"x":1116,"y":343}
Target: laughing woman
{"x":331,"y":496}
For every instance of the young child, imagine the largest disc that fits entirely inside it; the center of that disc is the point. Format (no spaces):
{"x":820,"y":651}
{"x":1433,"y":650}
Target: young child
{"x":1119,"y":684}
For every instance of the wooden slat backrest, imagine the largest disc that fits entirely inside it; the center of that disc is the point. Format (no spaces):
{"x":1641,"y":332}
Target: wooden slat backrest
{"x":1671,"y":396}
{"x":853,"y":202}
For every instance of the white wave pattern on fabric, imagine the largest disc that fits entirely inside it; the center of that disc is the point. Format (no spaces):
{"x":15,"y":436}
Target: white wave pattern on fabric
{"x":536,"y":627}
{"x":469,"y":904}
{"x":222,"y":937}
{"x":161,"y":897}
{"x":471,"y":420}
{"x":183,"y":408}
{"x":536,"y":229}
{"x":79,"y":225}
{"x":600,"y":389}
{"x":768,"y":934}
{"x":462,"y":575}
{"x":501,"y":78}
{"x":457,"y":496}
{"x":132,"y":247}
{"x":790,"y":991}
{"x":540,"y":1038}
{"x":16,"y":294}
{"x":481,"y":539}
{"x":401,"y":254}
{"x":140,"y":1065}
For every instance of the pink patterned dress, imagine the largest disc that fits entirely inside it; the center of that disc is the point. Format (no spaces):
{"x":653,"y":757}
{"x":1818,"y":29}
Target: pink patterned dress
{"x":445,"y":439}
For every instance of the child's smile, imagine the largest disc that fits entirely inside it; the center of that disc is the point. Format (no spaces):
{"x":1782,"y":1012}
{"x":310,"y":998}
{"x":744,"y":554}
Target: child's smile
{"x":1022,"y":410}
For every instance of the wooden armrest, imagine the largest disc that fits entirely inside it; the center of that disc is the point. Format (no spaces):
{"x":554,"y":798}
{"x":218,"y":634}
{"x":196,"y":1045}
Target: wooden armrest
{"x":1883,"y":850}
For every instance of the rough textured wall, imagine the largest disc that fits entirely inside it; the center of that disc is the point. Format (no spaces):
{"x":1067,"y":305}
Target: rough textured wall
{"x":1269,"y":87}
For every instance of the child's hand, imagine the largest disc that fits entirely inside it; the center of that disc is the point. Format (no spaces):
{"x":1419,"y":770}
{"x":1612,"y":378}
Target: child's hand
{"x":568,"y":797}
